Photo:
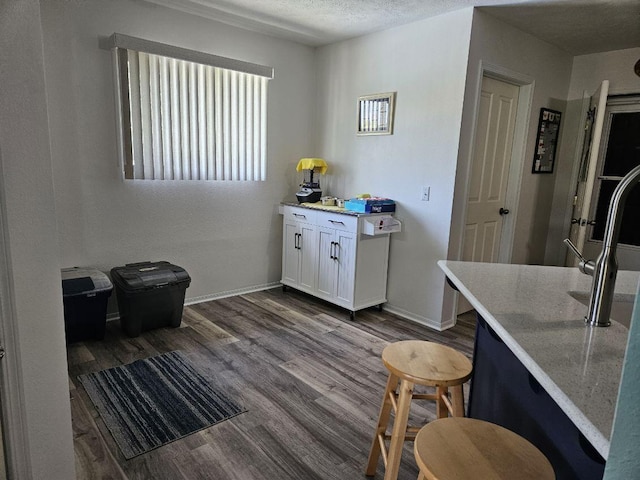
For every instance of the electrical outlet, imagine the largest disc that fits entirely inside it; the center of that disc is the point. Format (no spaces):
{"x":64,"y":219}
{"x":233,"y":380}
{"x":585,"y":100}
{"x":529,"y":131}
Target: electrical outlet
{"x":426,"y":193}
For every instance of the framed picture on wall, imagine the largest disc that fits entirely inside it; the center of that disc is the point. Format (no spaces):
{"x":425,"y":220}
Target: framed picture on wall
{"x":375,"y":114}
{"x":546,"y":141}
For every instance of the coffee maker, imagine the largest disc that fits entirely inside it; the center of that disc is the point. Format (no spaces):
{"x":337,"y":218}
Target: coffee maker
{"x":309,"y":189}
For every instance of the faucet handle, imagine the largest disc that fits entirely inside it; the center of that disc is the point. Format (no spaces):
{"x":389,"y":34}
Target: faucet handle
{"x":585,"y":266}
{"x":574,"y":249}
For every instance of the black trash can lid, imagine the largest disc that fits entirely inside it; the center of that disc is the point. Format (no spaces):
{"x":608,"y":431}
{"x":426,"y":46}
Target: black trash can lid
{"x":146,"y":275}
{"x":84,"y":281}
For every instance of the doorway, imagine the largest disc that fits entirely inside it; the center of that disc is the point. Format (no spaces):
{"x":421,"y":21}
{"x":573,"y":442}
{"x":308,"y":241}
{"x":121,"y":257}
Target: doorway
{"x":582,"y":196}
{"x":487,"y":205}
{"x":513,"y":138}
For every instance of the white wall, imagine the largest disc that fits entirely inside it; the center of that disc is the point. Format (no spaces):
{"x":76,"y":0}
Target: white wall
{"x":616,"y":66}
{"x":500,"y":47}
{"x":561,"y":205}
{"x":425,"y":63}
{"x":496,"y":43}
{"x":226,"y":234}
{"x":30,"y":245}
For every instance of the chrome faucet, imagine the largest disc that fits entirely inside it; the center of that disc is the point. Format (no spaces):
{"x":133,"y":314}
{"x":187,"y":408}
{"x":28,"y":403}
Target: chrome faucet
{"x":605,"y":268}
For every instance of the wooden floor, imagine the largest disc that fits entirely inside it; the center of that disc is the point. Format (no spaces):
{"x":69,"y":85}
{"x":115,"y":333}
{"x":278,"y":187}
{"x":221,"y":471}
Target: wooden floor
{"x":310,"y":378}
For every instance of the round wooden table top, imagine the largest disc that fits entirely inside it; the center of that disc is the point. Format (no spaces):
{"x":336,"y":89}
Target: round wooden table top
{"x":427,"y":363}
{"x":466,"y":448}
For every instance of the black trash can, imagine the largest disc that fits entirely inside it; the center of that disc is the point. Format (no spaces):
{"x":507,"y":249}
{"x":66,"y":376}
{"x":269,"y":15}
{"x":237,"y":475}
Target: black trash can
{"x":150,"y":295}
{"x":85,"y":293}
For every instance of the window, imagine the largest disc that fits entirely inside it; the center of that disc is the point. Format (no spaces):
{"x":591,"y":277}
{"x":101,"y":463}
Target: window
{"x":186,"y":115}
{"x":621,"y":153}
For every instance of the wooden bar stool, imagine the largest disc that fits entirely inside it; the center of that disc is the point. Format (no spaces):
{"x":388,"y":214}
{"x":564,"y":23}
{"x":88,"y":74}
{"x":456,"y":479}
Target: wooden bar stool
{"x":466,"y":448}
{"x":415,"y":362}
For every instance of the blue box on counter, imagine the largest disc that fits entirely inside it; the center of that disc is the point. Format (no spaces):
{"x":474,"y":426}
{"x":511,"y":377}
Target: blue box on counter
{"x":370,"y":205}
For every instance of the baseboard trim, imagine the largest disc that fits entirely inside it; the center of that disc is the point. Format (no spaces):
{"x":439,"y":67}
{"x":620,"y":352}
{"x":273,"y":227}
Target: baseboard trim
{"x":214,"y":296}
{"x":412,"y":317}
{"x":231,"y":293}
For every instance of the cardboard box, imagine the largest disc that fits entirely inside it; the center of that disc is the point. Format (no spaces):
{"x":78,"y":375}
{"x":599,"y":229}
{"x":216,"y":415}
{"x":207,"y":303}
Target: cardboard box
{"x":370,"y":205}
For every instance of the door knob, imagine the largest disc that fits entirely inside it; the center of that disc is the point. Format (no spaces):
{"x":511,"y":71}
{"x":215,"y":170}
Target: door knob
{"x":503,"y":211}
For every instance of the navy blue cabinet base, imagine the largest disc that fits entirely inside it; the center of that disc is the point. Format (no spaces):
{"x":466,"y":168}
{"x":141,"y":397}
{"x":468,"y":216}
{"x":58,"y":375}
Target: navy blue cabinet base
{"x":504,"y":392}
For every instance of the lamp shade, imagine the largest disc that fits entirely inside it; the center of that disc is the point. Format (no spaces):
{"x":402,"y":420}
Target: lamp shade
{"x":311,"y":164}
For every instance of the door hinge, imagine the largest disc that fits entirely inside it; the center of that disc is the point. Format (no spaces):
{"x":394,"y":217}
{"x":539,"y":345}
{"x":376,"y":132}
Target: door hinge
{"x":2,"y":353}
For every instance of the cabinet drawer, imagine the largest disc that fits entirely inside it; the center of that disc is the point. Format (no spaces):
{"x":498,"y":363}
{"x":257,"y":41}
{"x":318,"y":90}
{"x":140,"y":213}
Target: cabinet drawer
{"x":346,"y":223}
{"x":299,"y":215}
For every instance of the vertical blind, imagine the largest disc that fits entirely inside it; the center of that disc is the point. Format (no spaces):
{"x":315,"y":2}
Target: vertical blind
{"x":184,"y":120}
{"x":374,"y":115}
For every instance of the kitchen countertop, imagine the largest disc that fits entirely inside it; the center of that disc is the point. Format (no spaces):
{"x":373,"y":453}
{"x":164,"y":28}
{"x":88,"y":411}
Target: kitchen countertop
{"x":535,"y":312}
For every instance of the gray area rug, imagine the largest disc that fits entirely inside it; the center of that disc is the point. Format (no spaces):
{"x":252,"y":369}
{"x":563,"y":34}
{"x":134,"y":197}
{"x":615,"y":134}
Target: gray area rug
{"x":154,"y":401}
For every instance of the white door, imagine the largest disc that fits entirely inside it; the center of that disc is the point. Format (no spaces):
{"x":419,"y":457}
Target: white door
{"x":308,"y":249}
{"x":326,"y":264}
{"x":587,"y":173}
{"x":290,"y":255}
{"x":299,"y":255}
{"x":336,"y":265}
{"x":486,"y":204}
{"x":345,"y":258}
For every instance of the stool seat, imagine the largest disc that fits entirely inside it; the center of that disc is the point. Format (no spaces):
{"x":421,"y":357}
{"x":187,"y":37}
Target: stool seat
{"x":427,"y":363}
{"x":466,"y":448}
{"x":410,"y":363}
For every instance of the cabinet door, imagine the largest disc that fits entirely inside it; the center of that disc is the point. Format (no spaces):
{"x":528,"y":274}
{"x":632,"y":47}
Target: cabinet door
{"x":290,"y":254}
{"x":326,"y":263}
{"x":308,"y":254}
{"x":336,"y":265}
{"x":345,"y":265}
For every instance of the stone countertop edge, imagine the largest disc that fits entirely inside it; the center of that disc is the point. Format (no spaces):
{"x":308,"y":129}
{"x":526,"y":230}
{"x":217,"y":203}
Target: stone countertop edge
{"x":591,"y":424}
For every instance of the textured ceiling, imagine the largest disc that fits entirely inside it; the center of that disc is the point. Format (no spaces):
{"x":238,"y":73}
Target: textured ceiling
{"x":577,"y":26}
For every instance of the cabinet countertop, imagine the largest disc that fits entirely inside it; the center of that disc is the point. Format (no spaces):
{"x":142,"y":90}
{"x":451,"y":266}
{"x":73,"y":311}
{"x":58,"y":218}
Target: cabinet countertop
{"x":332,"y":209}
{"x":535,"y":311}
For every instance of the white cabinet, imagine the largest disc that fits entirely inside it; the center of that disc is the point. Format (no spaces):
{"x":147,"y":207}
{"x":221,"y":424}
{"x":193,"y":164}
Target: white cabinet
{"x":328,"y":255}
{"x":300,"y":251}
{"x":336,"y":264}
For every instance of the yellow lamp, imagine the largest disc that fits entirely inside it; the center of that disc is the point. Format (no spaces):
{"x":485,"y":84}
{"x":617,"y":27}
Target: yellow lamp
{"x":316,"y":164}
{"x":310,"y":190}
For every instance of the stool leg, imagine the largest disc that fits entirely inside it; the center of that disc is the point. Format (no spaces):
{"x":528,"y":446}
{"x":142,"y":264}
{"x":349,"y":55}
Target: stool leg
{"x":421,"y":476}
{"x":383,"y":421}
{"x":399,"y":430}
{"x":441,"y":407}
{"x":457,"y":401}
